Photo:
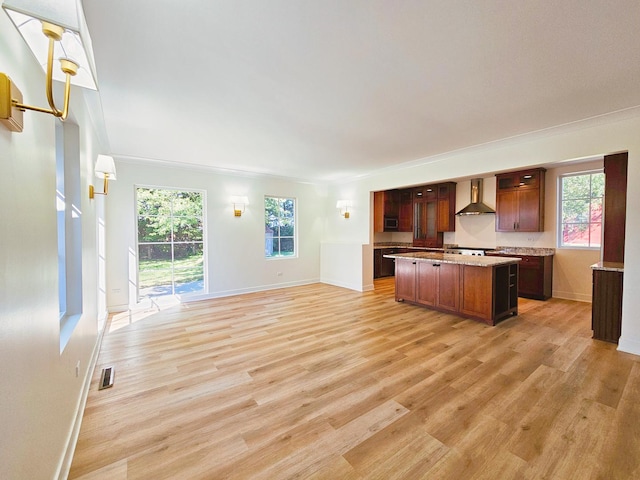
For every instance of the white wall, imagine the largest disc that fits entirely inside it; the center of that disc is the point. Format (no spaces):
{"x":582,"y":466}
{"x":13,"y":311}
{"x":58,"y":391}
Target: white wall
{"x":342,"y":265}
{"x":40,"y":394}
{"x":582,"y":140}
{"x":235,"y":245}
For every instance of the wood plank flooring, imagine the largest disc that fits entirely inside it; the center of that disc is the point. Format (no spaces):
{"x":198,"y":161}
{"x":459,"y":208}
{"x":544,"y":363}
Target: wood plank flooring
{"x":321,"y":382}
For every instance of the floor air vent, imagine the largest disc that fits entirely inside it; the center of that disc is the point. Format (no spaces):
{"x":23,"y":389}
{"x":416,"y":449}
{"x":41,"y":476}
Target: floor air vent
{"x":106,"y":380}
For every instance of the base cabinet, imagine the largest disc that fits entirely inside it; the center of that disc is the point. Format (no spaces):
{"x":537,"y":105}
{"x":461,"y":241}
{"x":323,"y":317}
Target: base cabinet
{"x":535,"y":278}
{"x":488,"y":294}
{"x":406,"y":280}
{"x":606,"y":308}
{"x":438,"y":285}
{"x":385,"y":267}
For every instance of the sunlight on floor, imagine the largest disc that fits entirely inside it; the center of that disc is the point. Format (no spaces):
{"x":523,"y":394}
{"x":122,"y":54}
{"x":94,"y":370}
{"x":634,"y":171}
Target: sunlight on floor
{"x":145,"y":308}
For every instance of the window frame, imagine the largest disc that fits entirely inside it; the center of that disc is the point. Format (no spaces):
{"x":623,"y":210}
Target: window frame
{"x":294,"y":237}
{"x":203,"y":193}
{"x":560,"y":224}
{"x":69,"y":229}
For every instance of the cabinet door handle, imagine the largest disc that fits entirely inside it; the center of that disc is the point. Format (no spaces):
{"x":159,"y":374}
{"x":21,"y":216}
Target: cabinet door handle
{"x":514,"y":225}
{"x":413,"y":263}
{"x":436,"y":264}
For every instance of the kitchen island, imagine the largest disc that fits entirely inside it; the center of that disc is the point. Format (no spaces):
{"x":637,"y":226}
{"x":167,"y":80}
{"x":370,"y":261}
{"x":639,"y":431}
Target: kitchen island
{"x":478,"y":287}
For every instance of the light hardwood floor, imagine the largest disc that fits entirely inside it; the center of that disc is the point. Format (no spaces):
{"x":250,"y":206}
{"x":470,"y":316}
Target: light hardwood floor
{"x":326,"y":383}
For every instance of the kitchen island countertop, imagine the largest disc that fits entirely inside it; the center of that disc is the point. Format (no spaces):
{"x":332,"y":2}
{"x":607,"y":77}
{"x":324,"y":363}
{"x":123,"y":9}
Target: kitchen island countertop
{"x":472,"y":260}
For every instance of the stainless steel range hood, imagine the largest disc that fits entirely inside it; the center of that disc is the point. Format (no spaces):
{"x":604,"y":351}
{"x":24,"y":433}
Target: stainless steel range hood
{"x":476,"y":207}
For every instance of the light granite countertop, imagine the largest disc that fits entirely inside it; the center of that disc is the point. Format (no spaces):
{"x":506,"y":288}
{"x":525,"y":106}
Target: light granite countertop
{"x":385,"y":245}
{"x":608,"y":266}
{"x":472,"y":260}
{"x":500,"y":250}
{"x":529,"y":251}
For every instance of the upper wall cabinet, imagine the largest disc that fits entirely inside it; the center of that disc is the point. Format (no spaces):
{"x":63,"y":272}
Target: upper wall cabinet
{"x":425,"y":213}
{"x":447,"y":207}
{"x":386,"y":206}
{"x":405,"y":210}
{"x":434,"y":213}
{"x":615,"y":206}
{"x":520,"y":201}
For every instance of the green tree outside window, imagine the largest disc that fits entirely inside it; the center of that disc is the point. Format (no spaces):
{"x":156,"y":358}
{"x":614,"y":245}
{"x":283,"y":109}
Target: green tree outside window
{"x":170,"y":241}
{"x":582,"y":201}
{"x":279,"y":221}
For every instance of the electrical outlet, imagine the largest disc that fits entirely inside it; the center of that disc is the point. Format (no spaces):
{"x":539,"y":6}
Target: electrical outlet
{"x":279,"y":274}
{"x":78,"y":369}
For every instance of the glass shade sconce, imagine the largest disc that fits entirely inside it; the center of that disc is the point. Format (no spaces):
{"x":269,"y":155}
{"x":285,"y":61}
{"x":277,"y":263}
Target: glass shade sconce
{"x":239,"y":205}
{"x":53,"y":30}
{"x":105,"y":169}
{"x":343,"y":207}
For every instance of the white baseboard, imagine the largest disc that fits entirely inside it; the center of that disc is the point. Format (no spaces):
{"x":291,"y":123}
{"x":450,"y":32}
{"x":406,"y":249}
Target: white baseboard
{"x":578,"y":297}
{"x":242,"y":291}
{"x":65,"y":464}
{"x":629,"y":345}
{"x":119,"y":308}
{"x":350,"y":286}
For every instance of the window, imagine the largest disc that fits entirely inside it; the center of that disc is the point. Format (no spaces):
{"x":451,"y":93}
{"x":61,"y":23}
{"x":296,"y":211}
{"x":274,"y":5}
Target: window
{"x":581,"y":208}
{"x":170,"y":242}
{"x":69,"y":223}
{"x":279,"y":227}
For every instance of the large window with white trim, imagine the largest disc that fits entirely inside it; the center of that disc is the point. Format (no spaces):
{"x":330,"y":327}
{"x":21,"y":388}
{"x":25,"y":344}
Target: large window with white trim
{"x":170,"y":241}
{"x":279,"y":227}
{"x":581,"y":210}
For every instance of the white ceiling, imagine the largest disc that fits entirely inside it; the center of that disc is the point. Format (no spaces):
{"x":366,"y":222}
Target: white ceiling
{"x":325,"y":90}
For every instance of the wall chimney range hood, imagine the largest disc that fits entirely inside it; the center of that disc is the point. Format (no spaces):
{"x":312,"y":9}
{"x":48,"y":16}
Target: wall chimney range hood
{"x":476,"y":207}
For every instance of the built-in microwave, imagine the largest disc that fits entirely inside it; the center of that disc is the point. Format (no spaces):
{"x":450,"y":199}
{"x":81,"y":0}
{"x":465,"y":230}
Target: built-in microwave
{"x":390,"y":223}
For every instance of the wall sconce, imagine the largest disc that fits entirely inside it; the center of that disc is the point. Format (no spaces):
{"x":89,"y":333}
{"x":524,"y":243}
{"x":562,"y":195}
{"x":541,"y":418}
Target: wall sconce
{"x":105,"y":168}
{"x":343,"y":206}
{"x":239,"y":204}
{"x":51,"y":30}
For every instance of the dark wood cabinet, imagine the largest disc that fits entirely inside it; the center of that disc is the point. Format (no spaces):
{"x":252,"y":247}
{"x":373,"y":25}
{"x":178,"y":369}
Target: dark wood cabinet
{"x":405,"y":210}
{"x":378,"y":212}
{"x":536,"y":275}
{"x":377,"y":262}
{"x":488,"y":294}
{"x":433,"y":213}
{"x":406,"y":280}
{"x":606,"y":309}
{"x":385,"y":204}
{"x":520,"y":201}
{"x":427,"y":211}
{"x":425,"y":220}
{"x":615,"y":206}
{"x":385,"y":267}
{"x":447,"y":207}
{"x":438,"y":285}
